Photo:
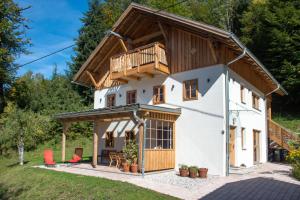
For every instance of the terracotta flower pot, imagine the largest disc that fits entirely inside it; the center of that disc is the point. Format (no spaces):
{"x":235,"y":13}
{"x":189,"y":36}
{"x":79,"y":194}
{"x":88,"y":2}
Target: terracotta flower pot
{"x":184,"y":172}
{"x":134,"y":168}
{"x":125,"y":167}
{"x":192,"y":173}
{"x":203,"y":172}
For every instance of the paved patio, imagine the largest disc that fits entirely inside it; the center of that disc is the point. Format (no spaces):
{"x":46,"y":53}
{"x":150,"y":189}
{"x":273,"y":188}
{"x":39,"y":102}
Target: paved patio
{"x":266,"y":181}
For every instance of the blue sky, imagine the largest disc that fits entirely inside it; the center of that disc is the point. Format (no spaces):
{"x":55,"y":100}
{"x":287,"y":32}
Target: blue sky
{"x":53,"y":25}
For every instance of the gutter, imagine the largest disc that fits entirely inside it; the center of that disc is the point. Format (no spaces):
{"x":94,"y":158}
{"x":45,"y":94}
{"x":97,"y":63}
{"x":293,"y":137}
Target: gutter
{"x":227,"y":105}
{"x":141,"y":122}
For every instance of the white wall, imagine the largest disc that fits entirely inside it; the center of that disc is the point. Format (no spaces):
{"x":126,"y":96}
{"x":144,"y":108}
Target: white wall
{"x":243,"y":115}
{"x":199,"y":129}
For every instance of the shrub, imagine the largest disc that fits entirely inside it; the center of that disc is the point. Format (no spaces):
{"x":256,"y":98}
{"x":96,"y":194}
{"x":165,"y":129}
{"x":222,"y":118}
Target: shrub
{"x":131,"y":151}
{"x":182,"y":166}
{"x":193,"y":169}
{"x":294,"y":159}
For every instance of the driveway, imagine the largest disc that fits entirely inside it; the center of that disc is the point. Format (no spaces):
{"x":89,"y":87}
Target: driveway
{"x":266,"y":181}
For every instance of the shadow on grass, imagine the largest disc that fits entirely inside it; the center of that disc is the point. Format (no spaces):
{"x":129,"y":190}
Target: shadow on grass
{"x":6,"y":193}
{"x":17,"y":164}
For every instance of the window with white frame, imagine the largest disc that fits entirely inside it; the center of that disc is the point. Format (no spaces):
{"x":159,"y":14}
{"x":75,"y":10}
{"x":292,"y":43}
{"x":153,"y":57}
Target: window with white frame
{"x":159,"y":134}
{"x":243,"y":94}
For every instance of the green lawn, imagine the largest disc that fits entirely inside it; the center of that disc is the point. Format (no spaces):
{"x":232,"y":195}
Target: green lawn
{"x":291,"y":122}
{"x":26,"y":182}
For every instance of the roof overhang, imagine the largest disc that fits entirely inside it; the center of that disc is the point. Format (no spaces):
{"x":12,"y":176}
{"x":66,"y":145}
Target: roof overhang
{"x":211,"y":31}
{"x":116,"y":113}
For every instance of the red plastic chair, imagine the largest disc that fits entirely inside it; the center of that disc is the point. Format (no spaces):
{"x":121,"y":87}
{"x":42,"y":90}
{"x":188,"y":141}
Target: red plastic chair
{"x":48,"y":158}
{"x":77,"y":156}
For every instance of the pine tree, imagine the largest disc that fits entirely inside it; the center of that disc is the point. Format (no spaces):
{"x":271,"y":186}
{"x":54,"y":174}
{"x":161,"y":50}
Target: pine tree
{"x":12,"y":43}
{"x":271,"y":30}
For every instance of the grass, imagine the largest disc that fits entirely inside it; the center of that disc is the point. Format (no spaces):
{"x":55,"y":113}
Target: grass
{"x":291,"y":122}
{"x":26,"y":182}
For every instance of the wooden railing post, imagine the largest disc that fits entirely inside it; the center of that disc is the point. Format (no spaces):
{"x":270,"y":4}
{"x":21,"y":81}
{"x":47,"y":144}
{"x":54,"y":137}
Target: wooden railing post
{"x":156,"y":61}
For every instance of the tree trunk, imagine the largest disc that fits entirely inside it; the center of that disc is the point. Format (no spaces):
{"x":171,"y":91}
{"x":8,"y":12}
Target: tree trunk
{"x":21,"y":151}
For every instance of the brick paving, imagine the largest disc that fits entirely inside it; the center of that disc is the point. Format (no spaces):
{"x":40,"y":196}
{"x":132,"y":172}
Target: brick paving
{"x":267,"y":181}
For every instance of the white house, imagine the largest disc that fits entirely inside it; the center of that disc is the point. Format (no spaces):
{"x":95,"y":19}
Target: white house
{"x":189,"y":93}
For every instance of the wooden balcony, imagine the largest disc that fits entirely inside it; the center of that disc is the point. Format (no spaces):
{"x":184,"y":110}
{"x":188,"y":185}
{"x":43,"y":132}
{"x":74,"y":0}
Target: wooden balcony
{"x":144,"y":61}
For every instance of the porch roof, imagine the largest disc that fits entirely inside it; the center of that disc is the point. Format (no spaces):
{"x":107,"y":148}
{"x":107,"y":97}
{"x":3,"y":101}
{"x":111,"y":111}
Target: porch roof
{"x":116,"y":112}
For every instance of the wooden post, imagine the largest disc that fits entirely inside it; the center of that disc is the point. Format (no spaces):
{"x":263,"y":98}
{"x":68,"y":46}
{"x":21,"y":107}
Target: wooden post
{"x":95,"y":144}
{"x":141,"y":143}
{"x":63,"y":142}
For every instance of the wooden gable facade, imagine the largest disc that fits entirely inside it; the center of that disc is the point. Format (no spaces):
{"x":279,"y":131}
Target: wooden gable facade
{"x":185,"y":45}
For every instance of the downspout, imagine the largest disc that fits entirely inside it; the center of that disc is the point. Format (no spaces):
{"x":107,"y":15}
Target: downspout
{"x":140,"y":122}
{"x":227,"y":106}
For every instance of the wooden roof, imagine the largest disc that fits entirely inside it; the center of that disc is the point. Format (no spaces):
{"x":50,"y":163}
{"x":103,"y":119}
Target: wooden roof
{"x":138,"y":19}
{"x":115,"y":112}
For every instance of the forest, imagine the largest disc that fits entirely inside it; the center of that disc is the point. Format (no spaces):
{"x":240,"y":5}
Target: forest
{"x":269,"y":28}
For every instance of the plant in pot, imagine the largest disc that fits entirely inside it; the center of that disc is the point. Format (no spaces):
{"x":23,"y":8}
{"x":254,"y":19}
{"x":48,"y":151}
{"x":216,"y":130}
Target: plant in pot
{"x":183,"y":170}
{"x":126,"y":165}
{"x":193,"y":170}
{"x":203,"y":172}
{"x":131,"y":153}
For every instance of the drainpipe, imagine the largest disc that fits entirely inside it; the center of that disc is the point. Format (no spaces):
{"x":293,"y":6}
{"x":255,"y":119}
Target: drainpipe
{"x":140,"y":122}
{"x":227,"y":106}
{"x":278,"y":87}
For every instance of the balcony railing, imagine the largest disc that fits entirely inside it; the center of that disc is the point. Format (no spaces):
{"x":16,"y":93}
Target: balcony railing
{"x":146,"y":59}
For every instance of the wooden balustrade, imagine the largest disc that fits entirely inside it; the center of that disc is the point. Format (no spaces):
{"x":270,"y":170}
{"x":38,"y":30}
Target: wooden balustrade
{"x":280,"y":135}
{"x":152,"y":55}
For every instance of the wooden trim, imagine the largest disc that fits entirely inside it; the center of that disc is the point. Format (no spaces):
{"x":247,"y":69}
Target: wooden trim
{"x":242,"y":92}
{"x":255,"y":101}
{"x":185,"y":98}
{"x":212,"y":50}
{"x":130,"y":92}
{"x":108,"y":99}
{"x":154,"y":98}
{"x":106,"y":138}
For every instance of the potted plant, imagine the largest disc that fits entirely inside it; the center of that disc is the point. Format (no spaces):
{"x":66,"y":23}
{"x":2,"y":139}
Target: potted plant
{"x":126,"y":165}
{"x":203,"y":172}
{"x":183,"y":170}
{"x":193,"y":170}
{"x":131,"y":153}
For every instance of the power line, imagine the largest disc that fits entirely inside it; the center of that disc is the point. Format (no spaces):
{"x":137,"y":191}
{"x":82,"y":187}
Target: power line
{"x":50,"y":54}
{"x":170,"y":6}
{"x":45,"y":56}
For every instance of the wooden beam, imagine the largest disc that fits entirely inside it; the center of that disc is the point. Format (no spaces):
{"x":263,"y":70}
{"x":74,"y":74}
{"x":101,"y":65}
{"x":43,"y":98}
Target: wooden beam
{"x":123,"y":45}
{"x":147,"y":37}
{"x":95,"y":143}
{"x":66,"y":126}
{"x":102,"y":80}
{"x":212,"y":50}
{"x":163,"y":32}
{"x":92,"y":78}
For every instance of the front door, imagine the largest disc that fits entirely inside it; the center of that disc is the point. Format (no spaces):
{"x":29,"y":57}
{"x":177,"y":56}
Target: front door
{"x":232,"y":146}
{"x":256,"y":147}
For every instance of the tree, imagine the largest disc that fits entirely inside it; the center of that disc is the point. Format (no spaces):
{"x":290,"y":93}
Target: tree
{"x":12,"y":43}
{"x":270,"y":28}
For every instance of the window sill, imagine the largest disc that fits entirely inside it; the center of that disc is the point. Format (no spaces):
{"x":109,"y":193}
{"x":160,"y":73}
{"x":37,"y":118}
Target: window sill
{"x":257,"y":109}
{"x":192,"y":99}
{"x":243,"y":102}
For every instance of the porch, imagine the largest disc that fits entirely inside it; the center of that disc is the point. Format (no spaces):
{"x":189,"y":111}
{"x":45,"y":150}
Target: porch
{"x":155,"y":135}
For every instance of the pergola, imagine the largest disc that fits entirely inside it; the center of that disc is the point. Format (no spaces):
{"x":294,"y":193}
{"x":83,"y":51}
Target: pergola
{"x":135,"y":112}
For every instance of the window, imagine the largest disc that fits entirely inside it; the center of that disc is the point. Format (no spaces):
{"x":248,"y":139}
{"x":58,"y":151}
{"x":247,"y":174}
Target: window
{"x":242,"y":94}
{"x":158,"y":94}
{"x":190,"y":89}
{"x":131,"y":97}
{"x":129,"y":136}
{"x":159,"y":134}
{"x":109,"y":139}
{"x":255,"y":101}
{"x":243,"y":138}
{"x":111,"y":100}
